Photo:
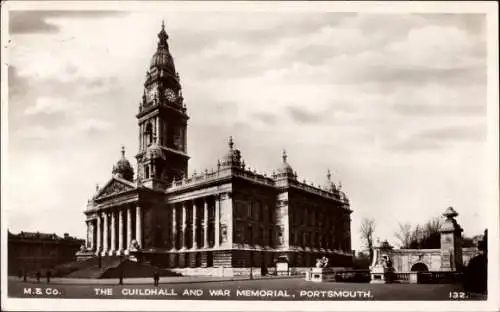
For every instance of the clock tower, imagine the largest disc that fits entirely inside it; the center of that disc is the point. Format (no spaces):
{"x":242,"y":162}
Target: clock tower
{"x":162,"y":119}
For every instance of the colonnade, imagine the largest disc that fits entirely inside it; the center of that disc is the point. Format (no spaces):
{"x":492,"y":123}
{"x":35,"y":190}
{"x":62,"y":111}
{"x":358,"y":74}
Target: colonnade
{"x":179,"y":232}
{"x":108,"y":234}
{"x":112,"y":231}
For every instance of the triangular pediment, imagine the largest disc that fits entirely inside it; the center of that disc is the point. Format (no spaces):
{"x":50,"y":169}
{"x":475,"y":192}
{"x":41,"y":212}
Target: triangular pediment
{"x":115,"y":186}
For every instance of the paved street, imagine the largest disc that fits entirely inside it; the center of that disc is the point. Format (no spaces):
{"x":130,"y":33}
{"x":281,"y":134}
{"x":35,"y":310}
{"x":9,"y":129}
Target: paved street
{"x":192,"y":288}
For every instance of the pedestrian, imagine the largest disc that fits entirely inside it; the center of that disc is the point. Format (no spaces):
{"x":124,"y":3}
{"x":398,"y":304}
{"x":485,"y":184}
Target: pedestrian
{"x":120,"y":281}
{"x":156,"y":278}
{"x":25,"y":276}
{"x":38,"y":275}
{"x":20,"y":274}
{"x":49,"y":274}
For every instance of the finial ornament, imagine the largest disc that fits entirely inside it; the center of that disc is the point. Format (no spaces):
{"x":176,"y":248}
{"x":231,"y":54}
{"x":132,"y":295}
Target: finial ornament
{"x":329,"y":175}
{"x":284,"y":156}
{"x":123,"y":151}
{"x":162,"y":24}
{"x":231,"y":143}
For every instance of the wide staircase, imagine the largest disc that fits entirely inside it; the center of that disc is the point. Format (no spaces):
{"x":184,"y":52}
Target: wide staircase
{"x":110,"y":267}
{"x":67,"y":268}
{"x":92,"y":268}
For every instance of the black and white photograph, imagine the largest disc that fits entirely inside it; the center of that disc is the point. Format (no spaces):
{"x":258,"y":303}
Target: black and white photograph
{"x":237,"y":155}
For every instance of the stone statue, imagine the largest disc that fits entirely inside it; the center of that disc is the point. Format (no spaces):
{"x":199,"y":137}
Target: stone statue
{"x":324,"y":262}
{"x":134,"y":245}
{"x":318,"y":263}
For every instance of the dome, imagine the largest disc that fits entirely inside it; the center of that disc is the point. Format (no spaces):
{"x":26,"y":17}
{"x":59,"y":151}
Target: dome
{"x":123,"y":169}
{"x":232,"y":157}
{"x":285,"y":168}
{"x":162,"y":57}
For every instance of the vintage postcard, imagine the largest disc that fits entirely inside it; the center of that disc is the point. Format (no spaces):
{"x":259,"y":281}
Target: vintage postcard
{"x":249,"y":156}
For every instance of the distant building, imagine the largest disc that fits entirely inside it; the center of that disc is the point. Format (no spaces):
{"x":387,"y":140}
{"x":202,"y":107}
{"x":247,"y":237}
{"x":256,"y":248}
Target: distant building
{"x":229,"y":217}
{"x":32,"y":251}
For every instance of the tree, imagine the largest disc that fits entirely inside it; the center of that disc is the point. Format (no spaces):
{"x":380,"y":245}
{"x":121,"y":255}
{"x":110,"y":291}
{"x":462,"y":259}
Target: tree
{"x":421,"y":236}
{"x":404,"y":235}
{"x":367,"y":229}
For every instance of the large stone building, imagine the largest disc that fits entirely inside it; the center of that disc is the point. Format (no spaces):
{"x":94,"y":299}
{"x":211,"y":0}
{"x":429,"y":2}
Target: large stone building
{"x":32,"y":251}
{"x":227,"y":217}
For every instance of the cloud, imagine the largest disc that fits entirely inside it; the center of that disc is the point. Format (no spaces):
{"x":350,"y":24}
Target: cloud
{"x":93,"y":125}
{"x":440,"y":138}
{"x":49,"y":106}
{"x":303,"y":116}
{"x":26,"y":22}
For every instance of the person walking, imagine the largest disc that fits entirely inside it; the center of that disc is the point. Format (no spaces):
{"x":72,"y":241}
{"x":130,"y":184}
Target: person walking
{"x":25,"y":276}
{"x":20,"y":274}
{"x":156,"y":277}
{"x":49,"y":274}
{"x":38,"y":275}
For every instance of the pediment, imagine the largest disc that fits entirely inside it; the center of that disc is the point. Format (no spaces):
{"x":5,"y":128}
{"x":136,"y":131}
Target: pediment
{"x":115,"y":186}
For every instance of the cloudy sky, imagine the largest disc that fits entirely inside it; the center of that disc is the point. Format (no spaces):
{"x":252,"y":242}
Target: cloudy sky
{"x":393,"y":104}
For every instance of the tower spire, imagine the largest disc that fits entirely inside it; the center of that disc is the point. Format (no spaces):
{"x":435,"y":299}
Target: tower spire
{"x":284,"y":156}
{"x":162,"y":36}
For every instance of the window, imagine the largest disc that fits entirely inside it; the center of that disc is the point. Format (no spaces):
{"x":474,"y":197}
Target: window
{"x":146,"y":172}
{"x":250,"y":235}
{"x":149,"y":134}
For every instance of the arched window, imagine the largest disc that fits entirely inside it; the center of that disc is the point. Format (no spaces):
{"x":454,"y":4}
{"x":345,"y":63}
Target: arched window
{"x":149,"y":134}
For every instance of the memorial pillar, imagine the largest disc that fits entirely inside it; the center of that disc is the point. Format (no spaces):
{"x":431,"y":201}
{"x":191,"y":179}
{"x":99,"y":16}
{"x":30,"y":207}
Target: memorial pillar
{"x":120,"y":231}
{"x":183,"y":230}
{"x":205,"y":223}
{"x":129,"y":227}
{"x":195,"y":243}
{"x":138,"y":225}
{"x":105,"y":233}
{"x":217,"y":221}
{"x":113,"y":234}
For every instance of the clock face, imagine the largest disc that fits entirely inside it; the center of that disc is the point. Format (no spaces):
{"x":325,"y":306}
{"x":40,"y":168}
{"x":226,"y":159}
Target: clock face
{"x":170,"y":95}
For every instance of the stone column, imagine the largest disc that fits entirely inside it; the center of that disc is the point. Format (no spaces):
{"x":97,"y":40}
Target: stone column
{"x":217,"y":221}
{"x":99,"y":233}
{"x":174,"y":228}
{"x":138,"y":225}
{"x":120,"y":231}
{"x":205,"y":223}
{"x":105,"y":233}
{"x":129,"y":227}
{"x":113,"y":234}
{"x":183,"y":230}
{"x":195,"y":243}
